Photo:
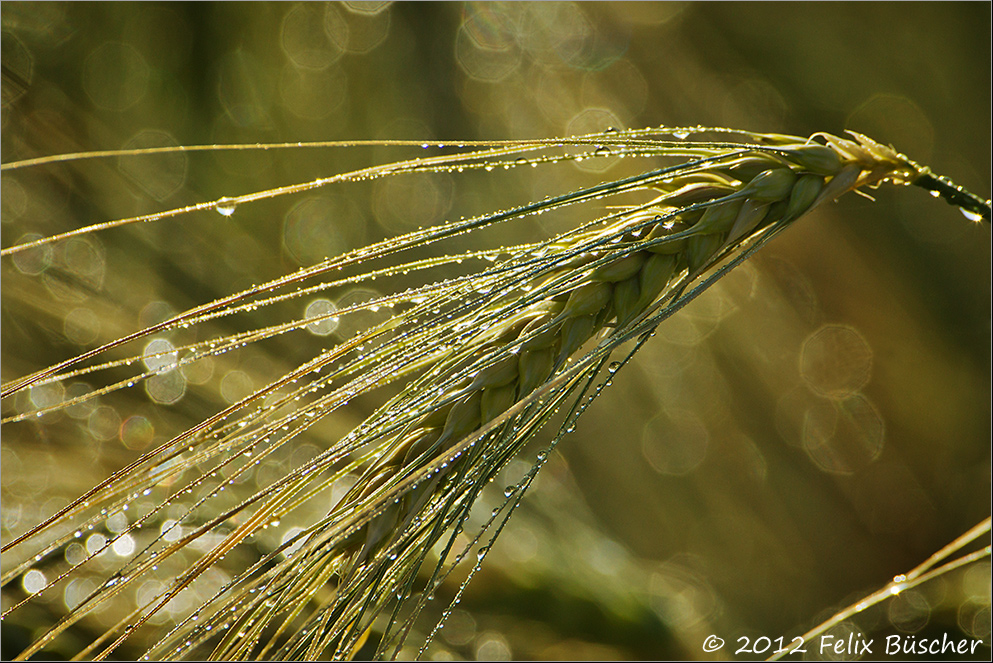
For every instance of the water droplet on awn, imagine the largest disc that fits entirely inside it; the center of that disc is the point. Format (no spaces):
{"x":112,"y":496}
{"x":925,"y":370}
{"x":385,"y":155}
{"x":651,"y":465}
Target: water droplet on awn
{"x":225,"y":206}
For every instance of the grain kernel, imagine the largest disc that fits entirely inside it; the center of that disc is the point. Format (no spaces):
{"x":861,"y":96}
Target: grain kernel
{"x":771,"y":185}
{"x":587,"y":299}
{"x":620,"y":269}
{"x":718,"y":218}
{"x":804,"y":193}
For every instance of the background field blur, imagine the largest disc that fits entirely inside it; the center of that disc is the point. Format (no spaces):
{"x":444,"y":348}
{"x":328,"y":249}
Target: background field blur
{"x":814,"y":425}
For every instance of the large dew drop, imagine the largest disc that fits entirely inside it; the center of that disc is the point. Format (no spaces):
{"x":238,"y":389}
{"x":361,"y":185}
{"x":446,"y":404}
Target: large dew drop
{"x":225,"y":206}
{"x":972,"y":216}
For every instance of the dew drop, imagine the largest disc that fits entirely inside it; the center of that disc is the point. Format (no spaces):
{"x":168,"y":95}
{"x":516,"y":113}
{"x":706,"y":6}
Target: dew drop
{"x":225,"y":206}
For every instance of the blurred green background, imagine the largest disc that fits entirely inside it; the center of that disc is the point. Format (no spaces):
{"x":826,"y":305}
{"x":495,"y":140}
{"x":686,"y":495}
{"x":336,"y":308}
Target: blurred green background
{"x":810,"y":427}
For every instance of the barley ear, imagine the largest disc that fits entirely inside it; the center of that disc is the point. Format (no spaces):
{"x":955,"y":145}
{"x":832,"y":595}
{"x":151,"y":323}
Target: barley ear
{"x":475,"y":365}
